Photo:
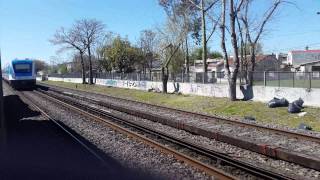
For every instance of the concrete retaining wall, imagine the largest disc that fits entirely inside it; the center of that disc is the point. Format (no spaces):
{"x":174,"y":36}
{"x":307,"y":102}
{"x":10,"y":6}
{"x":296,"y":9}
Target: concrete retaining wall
{"x":261,"y":93}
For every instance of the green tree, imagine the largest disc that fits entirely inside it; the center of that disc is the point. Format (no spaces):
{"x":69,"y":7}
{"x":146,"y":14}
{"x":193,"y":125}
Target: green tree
{"x":62,"y":69}
{"x":121,"y":56}
{"x":197,"y":54}
{"x":214,"y":55}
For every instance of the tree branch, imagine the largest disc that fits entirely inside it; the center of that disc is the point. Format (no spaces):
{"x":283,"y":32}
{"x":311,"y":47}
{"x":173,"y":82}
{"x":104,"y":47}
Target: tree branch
{"x":196,"y":5}
{"x":211,"y":5}
{"x":216,"y":22}
{"x":267,"y":17}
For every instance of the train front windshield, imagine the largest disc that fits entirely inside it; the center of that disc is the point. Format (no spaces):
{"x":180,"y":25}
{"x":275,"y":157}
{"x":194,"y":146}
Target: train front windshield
{"x":22,"y":68}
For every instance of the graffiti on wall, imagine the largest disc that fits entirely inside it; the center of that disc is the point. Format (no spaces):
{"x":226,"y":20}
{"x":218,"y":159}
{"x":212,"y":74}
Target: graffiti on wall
{"x":208,"y":90}
{"x":111,"y":82}
{"x":135,"y":84}
{"x":194,"y":88}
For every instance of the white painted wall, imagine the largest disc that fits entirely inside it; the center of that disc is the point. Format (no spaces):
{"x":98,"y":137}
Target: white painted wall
{"x":261,"y":93}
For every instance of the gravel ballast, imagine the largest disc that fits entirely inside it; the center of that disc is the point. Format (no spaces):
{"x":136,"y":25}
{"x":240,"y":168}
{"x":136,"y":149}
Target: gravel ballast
{"x":262,"y":161}
{"x":132,"y":154}
{"x":242,"y":132}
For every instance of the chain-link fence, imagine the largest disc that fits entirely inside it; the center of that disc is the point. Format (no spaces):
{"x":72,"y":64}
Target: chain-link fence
{"x":287,"y":79}
{"x":278,"y":79}
{"x":210,"y":77}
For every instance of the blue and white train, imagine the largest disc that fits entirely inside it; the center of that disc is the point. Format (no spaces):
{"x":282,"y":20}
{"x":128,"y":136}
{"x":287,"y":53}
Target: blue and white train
{"x":20,"y":73}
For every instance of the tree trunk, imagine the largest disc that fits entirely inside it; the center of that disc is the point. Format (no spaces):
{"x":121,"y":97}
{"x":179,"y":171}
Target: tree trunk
{"x":150,"y":69}
{"x":83,"y":73}
{"x":253,"y":62}
{"x":246,"y":61}
{"x":223,"y":40}
{"x":187,"y":61}
{"x":90,"y":66}
{"x":164,"y":80}
{"x":233,"y":79}
{"x":204,"y":43}
{"x":232,"y":89}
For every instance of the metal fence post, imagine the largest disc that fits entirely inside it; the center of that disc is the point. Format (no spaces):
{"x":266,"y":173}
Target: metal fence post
{"x":265,"y":78}
{"x":278,"y":79}
{"x":293,"y":74}
{"x":310,"y":80}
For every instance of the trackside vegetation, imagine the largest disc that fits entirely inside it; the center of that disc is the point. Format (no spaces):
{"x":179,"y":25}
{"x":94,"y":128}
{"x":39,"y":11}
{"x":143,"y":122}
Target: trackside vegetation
{"x":210,"y":105}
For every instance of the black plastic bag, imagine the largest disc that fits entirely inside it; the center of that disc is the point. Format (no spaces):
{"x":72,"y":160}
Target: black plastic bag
{"x":294,"y":108}
{"x":276,"y":102}
{"x":272,"y":103}
{"x":299,"y":102}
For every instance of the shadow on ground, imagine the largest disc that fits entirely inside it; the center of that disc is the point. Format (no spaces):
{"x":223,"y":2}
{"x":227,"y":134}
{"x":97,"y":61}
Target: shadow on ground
{"x":37,"y":149}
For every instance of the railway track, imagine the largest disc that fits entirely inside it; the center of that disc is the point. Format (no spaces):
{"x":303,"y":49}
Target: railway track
{"x":142,"y":133}
{"x":262,"y":148}
{"x":201,"y":115}
{"x":60,"y":126}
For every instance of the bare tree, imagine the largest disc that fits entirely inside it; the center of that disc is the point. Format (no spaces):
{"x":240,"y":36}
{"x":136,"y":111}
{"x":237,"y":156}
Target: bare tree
{"x":170,"y":40}
{"x":40,"y":65}
{"x":147,"y":44}
{"x":204,"y":7}
{"x":185,"y":14}
{"x":232,"y":76}
{"x":253,"y":33}
{"x":71,"y":40}
{"x":90,"y":33}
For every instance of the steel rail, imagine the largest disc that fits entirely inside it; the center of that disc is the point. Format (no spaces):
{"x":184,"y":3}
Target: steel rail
{"x":84,"y":109}
{"x":217,"y":173}
{"x":202,"y":115}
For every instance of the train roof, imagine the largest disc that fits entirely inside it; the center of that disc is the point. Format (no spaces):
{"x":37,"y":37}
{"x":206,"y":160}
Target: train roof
{"x":15,"y":61}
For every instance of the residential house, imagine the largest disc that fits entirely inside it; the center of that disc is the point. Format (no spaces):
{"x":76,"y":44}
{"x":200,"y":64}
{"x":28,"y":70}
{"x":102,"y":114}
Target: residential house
{"x":309,"y":67}
{"x":267,"y":63}
{"x":263,"y":63}
{"x":298,"y":57}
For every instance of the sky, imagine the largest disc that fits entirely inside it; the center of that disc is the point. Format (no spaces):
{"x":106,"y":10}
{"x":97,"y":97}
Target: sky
{"x":27,"y":25}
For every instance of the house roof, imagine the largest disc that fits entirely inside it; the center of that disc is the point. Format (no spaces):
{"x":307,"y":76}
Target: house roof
{"x":304,"y":51}
{"x":313,"y":62}
{"x":259,"y":58}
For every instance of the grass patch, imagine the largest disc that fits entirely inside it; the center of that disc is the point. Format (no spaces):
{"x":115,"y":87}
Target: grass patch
{"x":210,"y":105}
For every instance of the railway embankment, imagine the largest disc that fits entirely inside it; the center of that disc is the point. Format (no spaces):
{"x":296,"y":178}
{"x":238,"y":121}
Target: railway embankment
{"x":276,"y":117}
